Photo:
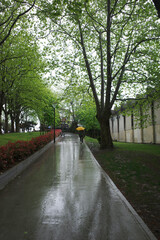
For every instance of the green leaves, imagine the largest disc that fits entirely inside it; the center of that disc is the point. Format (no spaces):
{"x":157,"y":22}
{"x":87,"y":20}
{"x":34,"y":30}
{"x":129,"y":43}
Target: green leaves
{"x":22,"y":87}
{"x":11,"y":12}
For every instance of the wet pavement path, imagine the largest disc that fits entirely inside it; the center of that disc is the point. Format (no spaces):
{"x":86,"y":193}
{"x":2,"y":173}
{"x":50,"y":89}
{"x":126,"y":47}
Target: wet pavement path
{"x":66,"y":196}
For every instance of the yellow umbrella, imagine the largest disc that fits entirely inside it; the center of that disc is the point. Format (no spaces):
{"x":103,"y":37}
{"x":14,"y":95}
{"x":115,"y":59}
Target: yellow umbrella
{"x":80,"y":128}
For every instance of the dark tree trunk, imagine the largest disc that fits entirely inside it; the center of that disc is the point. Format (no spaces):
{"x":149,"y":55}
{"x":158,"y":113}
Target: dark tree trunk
{"x":17,"y":123}
{"x":1,"y":108}
{"x":6,"y":118}
{"x":0,"y":121}
{"x":6,"y":123}
{"x":17,"y":126}
{"x":12,"y":123}
{"x":105,"y":138}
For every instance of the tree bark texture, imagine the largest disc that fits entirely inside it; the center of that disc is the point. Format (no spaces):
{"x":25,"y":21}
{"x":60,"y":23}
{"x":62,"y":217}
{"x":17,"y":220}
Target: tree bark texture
{"x":12,"y":123}
{"x":105,"y":138}
{"x":17,"y":120}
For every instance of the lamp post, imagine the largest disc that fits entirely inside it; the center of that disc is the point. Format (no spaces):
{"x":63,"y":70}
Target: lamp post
{"x":54,"y":120}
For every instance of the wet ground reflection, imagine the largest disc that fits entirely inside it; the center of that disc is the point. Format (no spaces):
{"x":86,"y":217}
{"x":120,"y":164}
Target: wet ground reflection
{"x":65,"y":196}
{"x":69,"y":204}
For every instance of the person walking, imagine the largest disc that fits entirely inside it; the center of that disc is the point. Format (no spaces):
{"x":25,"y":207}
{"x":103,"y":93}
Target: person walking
{"x":81,"y":133}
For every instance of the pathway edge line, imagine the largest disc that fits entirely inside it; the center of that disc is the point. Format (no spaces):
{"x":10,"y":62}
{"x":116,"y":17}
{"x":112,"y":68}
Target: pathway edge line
{"x":137,"y":218}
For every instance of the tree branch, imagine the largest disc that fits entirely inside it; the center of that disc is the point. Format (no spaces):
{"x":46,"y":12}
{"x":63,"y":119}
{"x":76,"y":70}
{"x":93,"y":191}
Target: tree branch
{"x":102,"y":72}
{"x":130,"y":99}
{"x":121,"y":75}
{"x":94,"y":20}
{"x":88,"y":68}
{"x":120,"y":36}
{"x":109,"y":77}
{"x":14,"y":22}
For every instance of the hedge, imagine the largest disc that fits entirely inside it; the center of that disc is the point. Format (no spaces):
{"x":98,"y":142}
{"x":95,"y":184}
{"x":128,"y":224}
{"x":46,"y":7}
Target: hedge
{"x":18,"y":151}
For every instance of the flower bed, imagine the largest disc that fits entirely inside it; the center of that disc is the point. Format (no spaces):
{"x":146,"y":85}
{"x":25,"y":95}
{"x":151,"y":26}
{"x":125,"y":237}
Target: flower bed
{"x":13,"y":153}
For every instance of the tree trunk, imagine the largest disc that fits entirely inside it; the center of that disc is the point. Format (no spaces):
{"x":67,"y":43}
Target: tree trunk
{"x":12,"y":123}
{"x":17,"y":123}
{"x":6,"y":122}
{"x":1,"y":108}
{"x":6,"y":118}
{"x":0,"y":121}
{"x":105,"y":138}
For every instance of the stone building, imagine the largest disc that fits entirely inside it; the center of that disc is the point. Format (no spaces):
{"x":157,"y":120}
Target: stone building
{"x":139,"y":124}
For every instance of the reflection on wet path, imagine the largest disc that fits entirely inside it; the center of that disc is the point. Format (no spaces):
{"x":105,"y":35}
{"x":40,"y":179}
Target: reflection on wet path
{"x":69,"y":203}
{"x":64,"y":196}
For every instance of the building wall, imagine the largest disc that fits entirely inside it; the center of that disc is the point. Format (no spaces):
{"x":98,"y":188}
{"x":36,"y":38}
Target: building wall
{"x":131,"y":128}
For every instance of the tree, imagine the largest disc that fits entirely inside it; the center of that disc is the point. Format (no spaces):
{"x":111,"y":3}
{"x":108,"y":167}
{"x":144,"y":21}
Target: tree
{"x":22,"y":87}
{"x":46,"y":116}
{"x":87,"y":118}
{"x":109,"y":35}
{"x":10,"y":13}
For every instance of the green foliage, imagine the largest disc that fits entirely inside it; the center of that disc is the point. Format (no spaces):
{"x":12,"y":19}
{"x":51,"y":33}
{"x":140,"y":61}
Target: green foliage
{"x":134,"y":43}
{"x":21,"y":70}
{"x":86,"y":115}
{"x":110,"y":44}
{"x":22,"y":86}
{"x":116,"y":49}
{"x":13,"y":15}
{"x":47,"y":111}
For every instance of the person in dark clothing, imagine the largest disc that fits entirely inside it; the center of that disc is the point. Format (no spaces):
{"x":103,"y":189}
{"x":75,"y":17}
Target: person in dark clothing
{"x":81,"y":135}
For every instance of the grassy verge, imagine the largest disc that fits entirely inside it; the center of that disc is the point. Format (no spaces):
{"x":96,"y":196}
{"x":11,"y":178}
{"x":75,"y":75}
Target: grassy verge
{"x":13,"y":137}
{"x":135,"y":169}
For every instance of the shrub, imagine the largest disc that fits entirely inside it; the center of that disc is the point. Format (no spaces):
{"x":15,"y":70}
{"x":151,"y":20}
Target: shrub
{"x":20,"y":150}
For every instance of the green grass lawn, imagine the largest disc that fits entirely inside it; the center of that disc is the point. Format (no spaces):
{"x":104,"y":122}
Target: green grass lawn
{"x":135,"y":169}
{"x":13,"y":137}
{"x":147,"y":148}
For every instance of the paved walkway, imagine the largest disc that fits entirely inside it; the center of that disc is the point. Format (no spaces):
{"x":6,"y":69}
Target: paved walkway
{"x":65,"y":195}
